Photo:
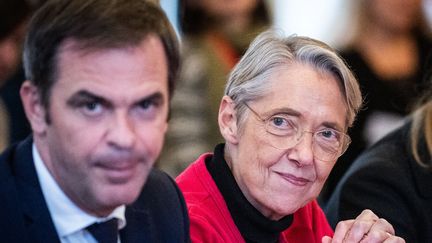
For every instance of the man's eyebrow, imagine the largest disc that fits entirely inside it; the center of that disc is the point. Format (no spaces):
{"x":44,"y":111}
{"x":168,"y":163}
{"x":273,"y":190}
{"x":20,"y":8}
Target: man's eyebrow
{"x":156,"y":97}
{"x":84,"y":94}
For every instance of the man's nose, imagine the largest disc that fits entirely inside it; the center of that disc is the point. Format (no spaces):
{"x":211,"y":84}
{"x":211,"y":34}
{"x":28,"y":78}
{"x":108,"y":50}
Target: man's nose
{"x":122,"y":134}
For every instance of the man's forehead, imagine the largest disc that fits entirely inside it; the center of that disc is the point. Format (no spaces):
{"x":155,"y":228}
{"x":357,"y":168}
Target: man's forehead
{"x":84,"y":47}
{"x":149,"y":50}
{"x":135,"y":70}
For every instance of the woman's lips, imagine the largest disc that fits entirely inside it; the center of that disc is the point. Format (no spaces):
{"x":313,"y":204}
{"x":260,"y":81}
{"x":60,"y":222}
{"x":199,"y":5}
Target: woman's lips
{"x":297,"y":181}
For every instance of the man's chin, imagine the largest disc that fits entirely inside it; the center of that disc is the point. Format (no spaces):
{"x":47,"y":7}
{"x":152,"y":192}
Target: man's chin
{"x":123,"y":194}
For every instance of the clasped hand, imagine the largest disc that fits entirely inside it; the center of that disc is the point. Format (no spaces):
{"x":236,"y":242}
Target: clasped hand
{"x":367,"y":227}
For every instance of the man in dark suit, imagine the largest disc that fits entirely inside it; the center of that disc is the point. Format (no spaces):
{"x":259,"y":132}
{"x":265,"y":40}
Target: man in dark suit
{"x":99,"y":77}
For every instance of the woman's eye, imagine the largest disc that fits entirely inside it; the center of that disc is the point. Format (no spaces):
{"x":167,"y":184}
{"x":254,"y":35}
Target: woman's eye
{"x":282,"y":122}
{"x":329,"y":134}
{"x":278,"y":121}
{"x":281,"y":126}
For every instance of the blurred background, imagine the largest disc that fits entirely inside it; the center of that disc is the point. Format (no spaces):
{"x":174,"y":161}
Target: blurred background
{"x":385,"y":42}
{"x":329,"y":20}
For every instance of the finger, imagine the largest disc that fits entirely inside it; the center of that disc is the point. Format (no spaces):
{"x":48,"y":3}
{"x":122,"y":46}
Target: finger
{"x":326,"y":239}
{"x":368,"y":215}
{"x":376,"y":236}
{"x":383,"y":237}
{"x":380,"y":231}
{"x":383,"y":225}
{"x":394,"y":239}
{"x":342,"y":229}
{"x":361,"y":226}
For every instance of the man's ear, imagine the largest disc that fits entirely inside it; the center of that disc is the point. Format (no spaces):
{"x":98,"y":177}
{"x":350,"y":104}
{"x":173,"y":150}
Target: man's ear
{"x":227,"y":120}
{"x":33,"y":107}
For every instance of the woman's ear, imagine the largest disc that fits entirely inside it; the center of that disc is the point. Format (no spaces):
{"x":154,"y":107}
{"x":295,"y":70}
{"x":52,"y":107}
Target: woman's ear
{"x":33,"y":107}
{"x":227,"y":120}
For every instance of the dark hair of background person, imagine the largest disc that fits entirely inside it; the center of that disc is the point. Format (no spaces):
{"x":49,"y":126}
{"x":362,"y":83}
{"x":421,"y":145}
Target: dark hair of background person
{"x":194,"y":20}
{"x":12,"y":14}
{"x":48,"y":31}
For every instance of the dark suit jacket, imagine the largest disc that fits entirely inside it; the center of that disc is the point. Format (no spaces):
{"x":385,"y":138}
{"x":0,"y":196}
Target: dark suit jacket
{"x":158,"y":215}
{"x":387,"y":180}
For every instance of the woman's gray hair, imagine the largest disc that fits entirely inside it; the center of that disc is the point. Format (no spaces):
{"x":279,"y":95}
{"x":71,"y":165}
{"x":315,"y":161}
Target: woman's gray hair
{"x":249,"y":80}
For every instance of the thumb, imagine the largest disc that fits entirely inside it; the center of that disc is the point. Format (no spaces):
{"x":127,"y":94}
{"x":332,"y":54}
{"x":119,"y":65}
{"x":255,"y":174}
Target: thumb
{"x":326,"y":239}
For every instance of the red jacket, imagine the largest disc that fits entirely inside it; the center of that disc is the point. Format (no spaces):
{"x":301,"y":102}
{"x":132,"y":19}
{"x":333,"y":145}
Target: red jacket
{"x":210,"y":219}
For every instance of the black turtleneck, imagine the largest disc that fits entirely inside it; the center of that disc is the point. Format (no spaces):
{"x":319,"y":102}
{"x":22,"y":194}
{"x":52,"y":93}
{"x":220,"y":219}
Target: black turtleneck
{"x":253,"y":226}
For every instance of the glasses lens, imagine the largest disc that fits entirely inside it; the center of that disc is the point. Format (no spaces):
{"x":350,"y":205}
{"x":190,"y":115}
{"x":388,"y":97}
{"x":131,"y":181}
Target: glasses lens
{"x":282,"y":133}
{"x":324,"y":153}
{"x":327,"y":144}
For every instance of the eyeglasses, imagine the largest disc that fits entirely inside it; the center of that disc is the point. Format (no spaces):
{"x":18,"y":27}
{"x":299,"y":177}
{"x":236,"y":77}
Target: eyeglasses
{"x":328,"y":144}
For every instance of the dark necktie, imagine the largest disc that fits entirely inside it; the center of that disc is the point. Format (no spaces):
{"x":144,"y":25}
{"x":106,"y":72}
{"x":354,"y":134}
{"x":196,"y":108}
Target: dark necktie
{"x":105,"y":232}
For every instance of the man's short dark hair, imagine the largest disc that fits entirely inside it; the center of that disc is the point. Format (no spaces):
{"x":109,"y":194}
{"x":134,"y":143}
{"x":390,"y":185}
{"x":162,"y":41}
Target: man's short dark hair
{"x":95,"y":25}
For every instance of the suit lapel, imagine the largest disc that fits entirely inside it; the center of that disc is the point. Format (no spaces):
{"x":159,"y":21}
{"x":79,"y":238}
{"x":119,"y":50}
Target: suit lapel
{"x":138,"y":227}
{"x":36,"y":215}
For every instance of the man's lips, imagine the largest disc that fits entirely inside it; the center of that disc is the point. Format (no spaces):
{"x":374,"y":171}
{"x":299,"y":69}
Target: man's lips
{"x":118,"y":171}
{"x":122,"y":165}
{"x":297,"y":181}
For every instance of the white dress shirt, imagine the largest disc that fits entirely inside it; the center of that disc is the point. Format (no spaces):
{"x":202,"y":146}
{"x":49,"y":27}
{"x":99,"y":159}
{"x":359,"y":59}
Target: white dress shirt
{"x":69,"y":220}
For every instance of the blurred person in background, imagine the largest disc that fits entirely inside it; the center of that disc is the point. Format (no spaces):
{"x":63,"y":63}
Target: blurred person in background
{"x":13,"y":18}
{"x":215,"y":34}
{"x":393,"y":178}
{"x":14,"y":15}
{"x":389,"y":54}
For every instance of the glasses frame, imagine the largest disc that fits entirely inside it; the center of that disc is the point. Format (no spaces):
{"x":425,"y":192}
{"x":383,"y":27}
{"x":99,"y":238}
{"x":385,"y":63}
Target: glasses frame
{"x":345,"y":144}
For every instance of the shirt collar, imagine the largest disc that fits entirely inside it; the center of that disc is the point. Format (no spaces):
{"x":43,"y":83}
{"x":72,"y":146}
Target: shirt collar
{"x":67,"y":217}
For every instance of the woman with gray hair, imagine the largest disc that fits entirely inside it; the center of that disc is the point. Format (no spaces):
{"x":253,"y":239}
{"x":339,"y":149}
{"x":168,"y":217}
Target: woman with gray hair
{"x":287,"y":106}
